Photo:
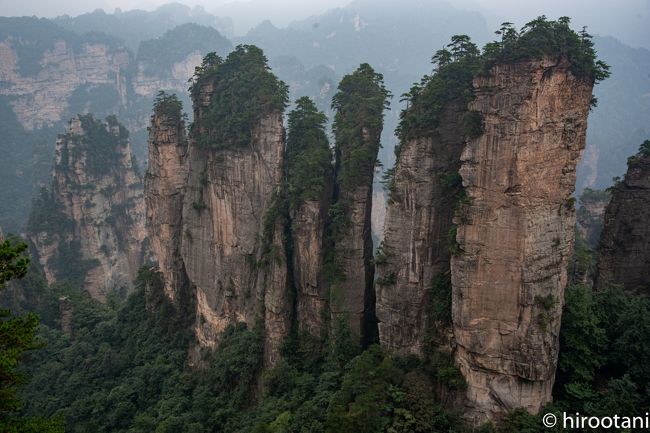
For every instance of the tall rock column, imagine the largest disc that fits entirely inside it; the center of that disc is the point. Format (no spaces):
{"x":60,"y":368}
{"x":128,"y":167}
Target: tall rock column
{"x":233,"y":247}
{"x":310,"y":179}
{"x":164,"y":188}
{"x":516,"y":231}
{"x":624,"y":252}
{"x":89,"y":227}
{"x":358,"y":122}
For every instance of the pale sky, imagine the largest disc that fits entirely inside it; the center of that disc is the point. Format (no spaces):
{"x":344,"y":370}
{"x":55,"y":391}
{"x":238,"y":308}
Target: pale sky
{"x":629,"y":20}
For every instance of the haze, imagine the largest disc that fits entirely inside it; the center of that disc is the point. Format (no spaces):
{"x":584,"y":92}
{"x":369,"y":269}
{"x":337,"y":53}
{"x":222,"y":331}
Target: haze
{"x":626,"y":20}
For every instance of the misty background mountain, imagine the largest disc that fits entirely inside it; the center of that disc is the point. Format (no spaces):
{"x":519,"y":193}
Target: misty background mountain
{"x":157,"y":50}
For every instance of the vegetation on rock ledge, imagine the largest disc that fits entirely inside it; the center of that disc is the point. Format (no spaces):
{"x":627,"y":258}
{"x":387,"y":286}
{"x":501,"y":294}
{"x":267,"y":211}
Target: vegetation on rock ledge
{"x":244,"y":90}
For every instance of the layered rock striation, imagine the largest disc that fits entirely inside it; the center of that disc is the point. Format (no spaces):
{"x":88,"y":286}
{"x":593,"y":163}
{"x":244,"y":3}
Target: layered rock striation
{"x":164,"y":186}
{"x":242,"y":220}
{"x":413,"y":259}
{"x":624,"y":250}
{"x":89,"y":226}
{"x":516,"y":231}
{"x":213,"y":203}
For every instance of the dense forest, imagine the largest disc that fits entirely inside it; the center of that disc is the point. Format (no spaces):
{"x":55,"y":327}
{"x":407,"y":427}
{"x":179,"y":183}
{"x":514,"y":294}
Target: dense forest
{"x":123,"y":366}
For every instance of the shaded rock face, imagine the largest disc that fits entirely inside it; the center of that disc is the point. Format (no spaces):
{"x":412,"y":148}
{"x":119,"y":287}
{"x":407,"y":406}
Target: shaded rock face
{"x":415,"y":249}
{"x":624,"y":251}
{"x":310,"y":245}
{"x":516,"y":233}
{"x":164,"y":186}
{"x":353,"y":296}
{"x":90,"y":227}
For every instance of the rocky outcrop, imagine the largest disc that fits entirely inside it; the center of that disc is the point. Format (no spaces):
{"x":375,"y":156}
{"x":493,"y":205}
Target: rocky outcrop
{"x":515,"y":233}
{"x":66,"y":312}
{"x":624,"y":251}
{"x":214,"y":211}
{"x":147,"y":84}
{"x":228,"y":196}
{"x":415,"y":250}
{"x":42,"y":99}
{"x":89,"y":227}
{"x":310,"y":246}
{"x":164,"y":188}
{"x":357,"y":126}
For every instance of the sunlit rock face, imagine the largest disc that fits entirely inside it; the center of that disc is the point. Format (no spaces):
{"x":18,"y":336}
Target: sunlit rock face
{"x":516,"y":233}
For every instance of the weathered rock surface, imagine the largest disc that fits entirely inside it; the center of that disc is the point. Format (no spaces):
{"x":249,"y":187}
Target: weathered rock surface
{"x":215,"y":230}
{"x":164,"y":188}
{"x":353,"y":296}
{"x":42,"y":99}
{"x":415,"y":249}
{"x":228,"y":194}
{"x":516,"y":233}
{"x":624,"y":251}
{"x":90,"y":226}
{"x":308,"y":227}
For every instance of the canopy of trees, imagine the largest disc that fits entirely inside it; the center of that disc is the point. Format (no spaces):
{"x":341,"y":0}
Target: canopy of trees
{"x":359,"y":104}
{"x":309,"y":159}
{"x":244,"y":90}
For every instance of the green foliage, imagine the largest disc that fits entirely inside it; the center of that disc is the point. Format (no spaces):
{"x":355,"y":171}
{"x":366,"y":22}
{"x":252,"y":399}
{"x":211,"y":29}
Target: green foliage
{"x":169,"y":106}
{"x":602,"y":368}
{"x":17,"y":337}
{"x":100,"y":143}
{"x":31,"y":37}
{"x":644,"y":149}
{"x":451,"y":80}
{"x":47,"y":215}
{"x":542,"y":37}
{"x":244,"y":91}
{"x":453,"y":245}
{"x":473,"y":124}
{"x":13,"y":261}
{"x":582,"y":340}
{"x":308,"y":157}
{"x":359,"y":104}
{"x":158,"y":55}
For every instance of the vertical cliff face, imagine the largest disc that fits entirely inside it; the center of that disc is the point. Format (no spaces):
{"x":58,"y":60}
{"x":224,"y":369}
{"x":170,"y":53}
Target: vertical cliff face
{"x":229,"y":192}
{"x":624,"y":251}
{"x":309,"y":189}
{"x":415,"y":251}
{"x":89,"y":227}
{"x":359,"y":102}
{"x":213,"y":200}
{"x":515,"y":232}
{"x":40,"y":97}
{"x":164,"y":188}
